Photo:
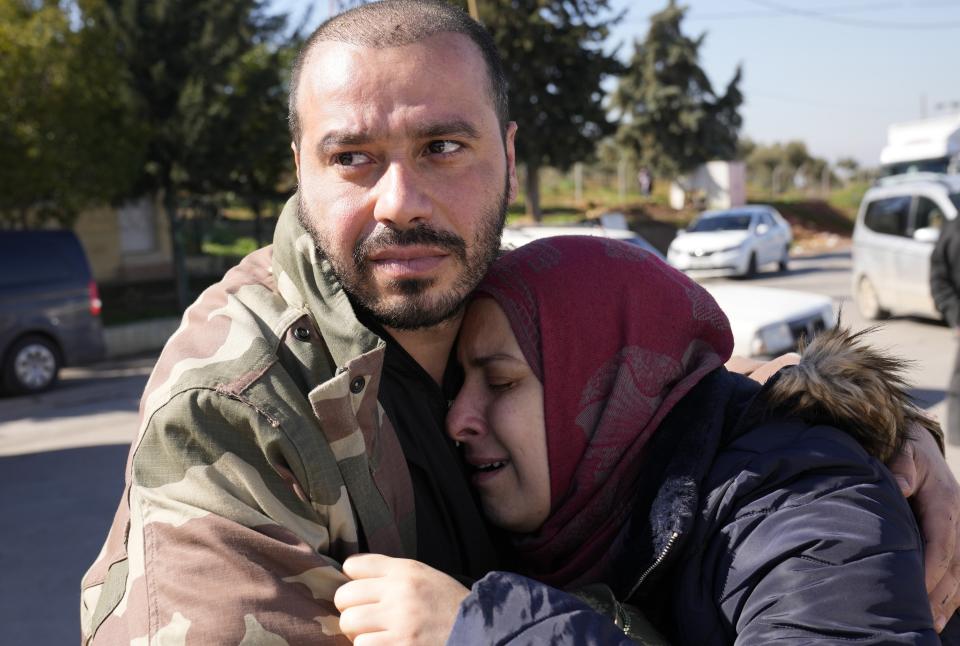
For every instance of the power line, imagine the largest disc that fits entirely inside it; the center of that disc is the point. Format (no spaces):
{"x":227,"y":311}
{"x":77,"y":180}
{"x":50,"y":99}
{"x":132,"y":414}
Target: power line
{"x":824,"y":10}
{"x":855,"y":22}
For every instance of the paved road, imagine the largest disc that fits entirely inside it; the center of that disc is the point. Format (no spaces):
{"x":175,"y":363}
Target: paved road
{"x":61,"y":474}
{"x":62,"y":456}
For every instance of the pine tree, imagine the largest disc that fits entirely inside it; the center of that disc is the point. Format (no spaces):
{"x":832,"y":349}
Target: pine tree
{"x":555,"y":63}
{"x":671,"y":118}
{"x":180,"y":57}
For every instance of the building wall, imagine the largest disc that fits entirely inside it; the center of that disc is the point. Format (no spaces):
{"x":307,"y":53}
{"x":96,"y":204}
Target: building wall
{"x":721,"y":184}
{"x":128,"y":243}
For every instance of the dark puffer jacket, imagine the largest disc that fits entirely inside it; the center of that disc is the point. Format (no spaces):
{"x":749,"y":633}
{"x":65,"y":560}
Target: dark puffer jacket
{"x":749,"y":532}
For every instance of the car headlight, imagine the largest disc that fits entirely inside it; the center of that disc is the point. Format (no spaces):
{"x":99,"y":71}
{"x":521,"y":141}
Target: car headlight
{"x":772,"y":338}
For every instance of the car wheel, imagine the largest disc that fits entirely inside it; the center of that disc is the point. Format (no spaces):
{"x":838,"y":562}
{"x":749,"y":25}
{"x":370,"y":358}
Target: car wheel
{"x":751,"y":270}
{"x":867,"y":301}
{"x":31,"y":365}
{"x":784,"y":264}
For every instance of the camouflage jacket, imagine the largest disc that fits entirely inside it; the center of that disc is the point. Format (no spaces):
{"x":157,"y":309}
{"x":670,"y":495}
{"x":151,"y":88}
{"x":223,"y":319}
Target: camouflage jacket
{"x":261,"y":458}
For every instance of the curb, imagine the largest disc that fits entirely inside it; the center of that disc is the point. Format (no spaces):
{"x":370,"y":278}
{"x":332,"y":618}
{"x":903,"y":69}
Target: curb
{"x":138,"y":338}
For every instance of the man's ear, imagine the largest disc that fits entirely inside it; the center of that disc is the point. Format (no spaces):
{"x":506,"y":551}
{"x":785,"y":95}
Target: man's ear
{"x":510,"y":148}
{"x":296,"y":158}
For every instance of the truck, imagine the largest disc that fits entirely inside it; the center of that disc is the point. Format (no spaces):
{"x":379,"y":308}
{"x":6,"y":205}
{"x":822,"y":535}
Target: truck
{"x":923,"y":145}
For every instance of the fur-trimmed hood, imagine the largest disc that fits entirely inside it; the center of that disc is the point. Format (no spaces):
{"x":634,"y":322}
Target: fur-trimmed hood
{"x":842,"y":381}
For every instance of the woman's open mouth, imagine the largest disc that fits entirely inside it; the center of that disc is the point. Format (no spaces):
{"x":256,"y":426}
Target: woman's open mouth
{"x":482,"y":471}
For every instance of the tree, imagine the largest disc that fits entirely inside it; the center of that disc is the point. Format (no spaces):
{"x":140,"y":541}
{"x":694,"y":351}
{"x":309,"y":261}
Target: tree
{"x":68,"y":137}
{"x":555,"y":63}
{"x":247,"y":151}
{"x":178,"y":57}
{"x":670,"y":116}
{"x":770,"y":166}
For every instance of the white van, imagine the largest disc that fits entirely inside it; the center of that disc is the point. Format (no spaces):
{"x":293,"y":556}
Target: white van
{"x":897,"y":226}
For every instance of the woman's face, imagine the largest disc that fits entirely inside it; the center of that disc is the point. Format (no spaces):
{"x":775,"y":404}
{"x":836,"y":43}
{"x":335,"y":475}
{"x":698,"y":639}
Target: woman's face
{"x":498,"y":417}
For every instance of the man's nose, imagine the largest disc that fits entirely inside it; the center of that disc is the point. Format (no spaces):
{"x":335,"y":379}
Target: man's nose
{"x":401,"y":199}
{"x":465,"y":419}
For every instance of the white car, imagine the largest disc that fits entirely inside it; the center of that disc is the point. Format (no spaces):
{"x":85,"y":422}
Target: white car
{"x":897,"y":227}
{"x":734,"y":242}
{"x":768,"y":321}
{"x":514,"y":237}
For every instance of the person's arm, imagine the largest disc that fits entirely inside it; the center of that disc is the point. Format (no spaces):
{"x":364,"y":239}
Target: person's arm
{"x":399,"y":602}
{"x":826,"y":551}
{"x":945,"y":292}
{"x":216,"y":541}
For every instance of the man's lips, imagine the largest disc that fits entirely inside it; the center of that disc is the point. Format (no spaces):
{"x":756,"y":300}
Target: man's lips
{"x":408,"y":259}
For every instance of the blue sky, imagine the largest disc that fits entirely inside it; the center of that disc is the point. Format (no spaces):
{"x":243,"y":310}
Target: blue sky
{"x":833,"y":73}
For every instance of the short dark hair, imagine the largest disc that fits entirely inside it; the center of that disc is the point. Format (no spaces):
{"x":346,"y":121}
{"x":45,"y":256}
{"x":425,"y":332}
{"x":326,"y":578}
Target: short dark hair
{"x":392,"y":23}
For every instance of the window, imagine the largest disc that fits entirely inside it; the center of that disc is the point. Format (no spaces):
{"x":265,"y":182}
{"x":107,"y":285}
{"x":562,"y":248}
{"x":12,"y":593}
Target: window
{"x":927,"y":214}
{"x":888,"y":215}
{"x":722,"y":223}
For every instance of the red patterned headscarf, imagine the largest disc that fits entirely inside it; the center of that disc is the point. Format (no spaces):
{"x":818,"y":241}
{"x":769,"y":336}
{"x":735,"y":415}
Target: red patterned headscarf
{"x":617,"y":338}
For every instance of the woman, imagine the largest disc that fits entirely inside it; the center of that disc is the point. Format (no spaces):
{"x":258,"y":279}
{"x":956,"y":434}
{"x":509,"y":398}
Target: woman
{"x":606,"y":437}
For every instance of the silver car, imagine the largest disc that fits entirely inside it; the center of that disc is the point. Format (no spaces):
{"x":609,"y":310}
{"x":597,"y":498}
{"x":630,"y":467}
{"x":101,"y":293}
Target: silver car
{"x":897,"y":226}
{"x":735,"y":242}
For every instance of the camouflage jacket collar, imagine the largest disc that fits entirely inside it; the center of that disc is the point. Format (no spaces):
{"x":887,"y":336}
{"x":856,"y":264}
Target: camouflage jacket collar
{"x":306,"y":279}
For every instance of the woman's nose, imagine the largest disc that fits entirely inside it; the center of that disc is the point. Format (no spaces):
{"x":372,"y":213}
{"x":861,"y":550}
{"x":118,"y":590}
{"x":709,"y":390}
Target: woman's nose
{"x":465,"y":420}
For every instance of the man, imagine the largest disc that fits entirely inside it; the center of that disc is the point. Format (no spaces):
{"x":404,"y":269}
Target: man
{"x":945,"y":288}
{"x":296,"y":416}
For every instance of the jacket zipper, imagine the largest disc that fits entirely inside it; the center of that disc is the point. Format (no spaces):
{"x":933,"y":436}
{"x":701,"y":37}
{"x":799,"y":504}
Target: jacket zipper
{"x":663,"y":554}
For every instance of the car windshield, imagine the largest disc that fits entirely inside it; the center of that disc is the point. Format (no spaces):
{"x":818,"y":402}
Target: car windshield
{"x":731,"y":222}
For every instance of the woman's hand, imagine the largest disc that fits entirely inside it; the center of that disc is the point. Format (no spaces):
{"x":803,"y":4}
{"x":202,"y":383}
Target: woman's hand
{"x":925,"y":478}
{"x":392,"y":601}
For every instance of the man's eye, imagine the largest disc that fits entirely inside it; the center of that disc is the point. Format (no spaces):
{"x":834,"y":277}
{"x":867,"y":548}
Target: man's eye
{"x":500,"y":386}
{"x":350,"y":159}
{"x":443,"y":146}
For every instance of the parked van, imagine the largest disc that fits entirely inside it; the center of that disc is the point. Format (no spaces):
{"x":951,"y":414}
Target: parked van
{"x":897,"y":226}
{"x":49,"y":309}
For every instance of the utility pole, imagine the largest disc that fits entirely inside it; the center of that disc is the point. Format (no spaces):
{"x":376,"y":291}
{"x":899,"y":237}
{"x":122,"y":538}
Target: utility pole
{"x":622,"y":179}
{"x":578,"y":183}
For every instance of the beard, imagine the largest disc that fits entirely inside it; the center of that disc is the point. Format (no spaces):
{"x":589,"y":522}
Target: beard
{"x":417,"y":306}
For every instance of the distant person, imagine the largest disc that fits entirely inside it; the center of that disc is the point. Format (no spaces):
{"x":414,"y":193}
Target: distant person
{"x":645,"y":180}
{"x":945,"y":288}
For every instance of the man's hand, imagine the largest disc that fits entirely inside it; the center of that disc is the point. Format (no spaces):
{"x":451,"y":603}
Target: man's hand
{"x":760,"y":371}
{"x":392,"y":601}
{"x":925,"y":478}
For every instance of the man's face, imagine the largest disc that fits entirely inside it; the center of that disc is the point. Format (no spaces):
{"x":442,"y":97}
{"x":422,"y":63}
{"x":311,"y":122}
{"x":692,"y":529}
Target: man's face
{"x":404,"y":173}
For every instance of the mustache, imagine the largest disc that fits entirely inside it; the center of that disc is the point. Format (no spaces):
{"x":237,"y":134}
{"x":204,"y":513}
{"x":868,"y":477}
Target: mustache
{"x":419,"y":235}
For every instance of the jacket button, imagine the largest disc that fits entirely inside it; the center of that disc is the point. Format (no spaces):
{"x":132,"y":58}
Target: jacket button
{"x":356,"y":386}
{"x":302,"y":333}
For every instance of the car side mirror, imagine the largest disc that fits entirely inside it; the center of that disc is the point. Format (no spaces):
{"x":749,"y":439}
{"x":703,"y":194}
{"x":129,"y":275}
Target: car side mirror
{"x":762,"y":229}
{"x":926,"y":234}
